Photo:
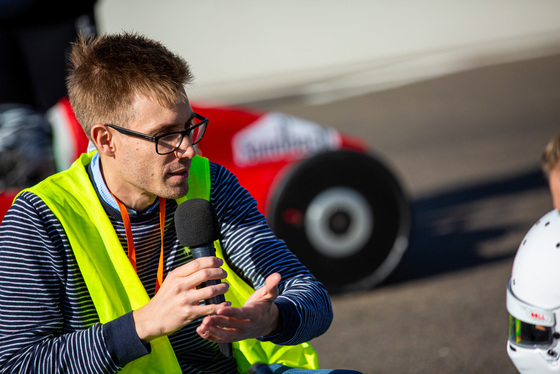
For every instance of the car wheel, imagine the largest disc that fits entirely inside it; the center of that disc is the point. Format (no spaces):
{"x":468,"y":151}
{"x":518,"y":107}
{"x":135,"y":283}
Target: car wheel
{"x":345,"y":216}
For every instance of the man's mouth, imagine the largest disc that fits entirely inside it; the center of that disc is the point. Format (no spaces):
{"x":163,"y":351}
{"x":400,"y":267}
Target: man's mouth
{"x":180,"y":172}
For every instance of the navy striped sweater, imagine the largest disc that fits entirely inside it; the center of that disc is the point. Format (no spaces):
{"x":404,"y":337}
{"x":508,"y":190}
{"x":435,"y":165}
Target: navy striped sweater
{"x":48,"y":323}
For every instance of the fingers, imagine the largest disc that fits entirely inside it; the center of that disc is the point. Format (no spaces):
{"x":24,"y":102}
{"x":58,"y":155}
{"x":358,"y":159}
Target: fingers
{"x":210,"y":292}
{"x":197,"y":265}
{"x":271,"y":283}
{"x":177,"y":302}
{"x":268,"y":293}
{"x":224,"y":329}
{"x":258,"y":317}
{"x":193,"y":274}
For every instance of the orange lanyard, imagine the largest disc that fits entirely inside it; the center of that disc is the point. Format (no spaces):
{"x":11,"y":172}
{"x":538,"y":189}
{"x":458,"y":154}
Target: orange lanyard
{"x":130,"y":240}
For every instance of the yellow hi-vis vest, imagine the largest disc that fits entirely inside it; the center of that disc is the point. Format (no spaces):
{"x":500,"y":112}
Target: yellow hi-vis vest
{"x":114,"y":286}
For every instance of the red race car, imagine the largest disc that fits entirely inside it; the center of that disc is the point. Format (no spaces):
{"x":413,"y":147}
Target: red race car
{"x":339,"y":209}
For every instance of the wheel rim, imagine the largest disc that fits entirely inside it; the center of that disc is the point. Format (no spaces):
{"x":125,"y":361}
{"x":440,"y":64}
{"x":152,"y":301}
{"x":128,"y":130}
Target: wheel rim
{"x":339,"y":222}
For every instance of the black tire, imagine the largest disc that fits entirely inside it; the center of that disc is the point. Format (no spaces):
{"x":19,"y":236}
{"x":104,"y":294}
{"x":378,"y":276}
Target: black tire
{"x":345,"y":216}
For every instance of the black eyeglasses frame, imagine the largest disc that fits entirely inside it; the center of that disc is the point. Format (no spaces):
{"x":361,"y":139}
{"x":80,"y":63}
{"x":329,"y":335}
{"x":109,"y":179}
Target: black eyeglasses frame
{"x":203,"y":122}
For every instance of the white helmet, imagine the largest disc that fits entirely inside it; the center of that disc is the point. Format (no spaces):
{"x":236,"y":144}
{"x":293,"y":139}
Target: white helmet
{"x":533,"y":299}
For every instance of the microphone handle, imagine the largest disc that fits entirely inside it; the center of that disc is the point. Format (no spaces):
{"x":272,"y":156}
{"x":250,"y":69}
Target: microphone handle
{"x":207,"y":251}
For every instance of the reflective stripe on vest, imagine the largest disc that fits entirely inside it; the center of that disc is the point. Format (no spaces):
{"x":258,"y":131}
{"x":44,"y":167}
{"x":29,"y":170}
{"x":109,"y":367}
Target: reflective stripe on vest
{"x":114,"y":286}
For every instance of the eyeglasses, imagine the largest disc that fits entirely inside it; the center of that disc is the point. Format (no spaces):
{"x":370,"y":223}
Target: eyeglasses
{"x":168,"y":143}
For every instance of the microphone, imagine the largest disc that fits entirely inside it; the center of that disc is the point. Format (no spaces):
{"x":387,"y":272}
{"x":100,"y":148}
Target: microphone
{"x":197,"y":228}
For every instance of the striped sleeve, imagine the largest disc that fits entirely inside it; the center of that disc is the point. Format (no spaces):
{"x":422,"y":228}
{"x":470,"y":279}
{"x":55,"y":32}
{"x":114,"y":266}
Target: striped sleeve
{"x":255,"y":253}
{"x":47,"y":324}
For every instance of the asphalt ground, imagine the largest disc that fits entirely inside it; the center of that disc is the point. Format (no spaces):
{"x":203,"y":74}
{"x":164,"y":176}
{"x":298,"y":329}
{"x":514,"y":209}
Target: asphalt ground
{"x":466,"y":147}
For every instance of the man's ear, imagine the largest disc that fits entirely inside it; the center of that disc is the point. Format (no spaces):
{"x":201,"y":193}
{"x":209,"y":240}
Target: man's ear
{"x":103,"y":139}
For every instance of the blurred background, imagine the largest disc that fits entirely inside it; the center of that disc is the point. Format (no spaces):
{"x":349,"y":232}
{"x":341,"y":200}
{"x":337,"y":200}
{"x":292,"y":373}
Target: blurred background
{"x":459,"y":99}
{"x":252,"y":50}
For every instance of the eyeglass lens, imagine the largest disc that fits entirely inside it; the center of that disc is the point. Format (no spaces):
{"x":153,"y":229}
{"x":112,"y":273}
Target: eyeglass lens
{"x":171,"y":142}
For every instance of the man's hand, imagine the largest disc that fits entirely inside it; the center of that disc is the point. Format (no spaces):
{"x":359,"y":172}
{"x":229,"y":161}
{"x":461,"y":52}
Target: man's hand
{"x":177,"y":302}
{"x":258,"y":317}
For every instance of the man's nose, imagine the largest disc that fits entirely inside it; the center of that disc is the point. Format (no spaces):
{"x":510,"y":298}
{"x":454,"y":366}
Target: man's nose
{"x":185,"y":149}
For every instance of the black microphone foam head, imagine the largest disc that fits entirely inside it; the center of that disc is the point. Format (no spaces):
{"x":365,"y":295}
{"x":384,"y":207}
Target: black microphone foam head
{"x":196,"y":223}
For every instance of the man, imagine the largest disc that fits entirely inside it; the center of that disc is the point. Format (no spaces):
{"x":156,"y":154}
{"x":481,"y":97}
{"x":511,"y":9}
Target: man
{"x":533,"y":299}
{"x":70,"y":299}
{"x":551,"y":167}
